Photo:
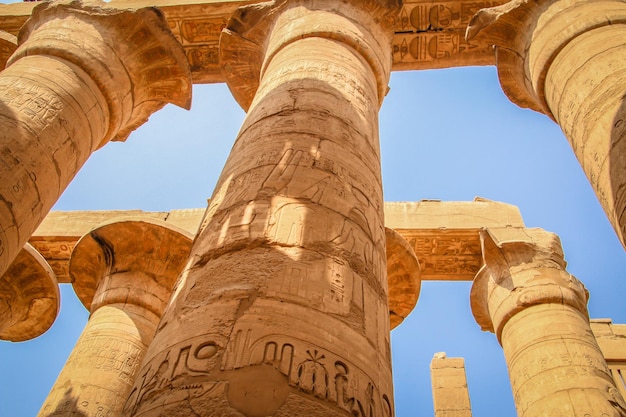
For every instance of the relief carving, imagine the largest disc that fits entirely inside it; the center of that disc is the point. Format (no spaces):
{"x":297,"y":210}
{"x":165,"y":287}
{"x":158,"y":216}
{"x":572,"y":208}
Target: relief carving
{"x":314,"y":371}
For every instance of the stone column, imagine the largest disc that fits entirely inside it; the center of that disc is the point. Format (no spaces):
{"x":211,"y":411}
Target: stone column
{"x":123,"y":272}
{"x":538,"y":312}
{"x":29,"y":297}
{"x":282,"y":309}
{"x":567,"y":59}
{"x":80,"y":77}
{"x":450,"y":393}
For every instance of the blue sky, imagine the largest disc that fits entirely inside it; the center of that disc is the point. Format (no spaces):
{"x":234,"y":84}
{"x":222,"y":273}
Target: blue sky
{"x":445,"y":134}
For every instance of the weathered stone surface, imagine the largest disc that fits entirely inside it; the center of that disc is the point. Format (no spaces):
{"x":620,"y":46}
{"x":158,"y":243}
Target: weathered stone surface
{"x":443,"y":235}
{"x":449,"y":383}
{"x":287,"y":279}
{"x":123,"y":272}
{"x":538,"y":312}
{"x":611,"y":338}
{"x":80,"y":77}
{"x":8,"y":45}
{"x":29,"y":297}
{"x":428,"y":35}
{"x":403,"y":277}
{"x":567,"y":59}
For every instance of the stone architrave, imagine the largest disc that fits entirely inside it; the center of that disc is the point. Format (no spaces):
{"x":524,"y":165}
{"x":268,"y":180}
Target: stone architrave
{"x":287,"y":282}
{"x":449,"y":383}
{"x":80,"y":77}
{"x":123,"y":272}
{"x":29,"y":297}
{"x":538,"y":312}
{"x":567,"y":59}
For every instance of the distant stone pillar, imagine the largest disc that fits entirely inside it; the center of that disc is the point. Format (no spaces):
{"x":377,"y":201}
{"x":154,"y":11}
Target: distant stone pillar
{"x":538,"y":312}
{"x":29,"y":297}
{"x":282,"y":309}
{"x":123,"y":272}
{"x":449,"y":382}
{"x":567,"y":59}
{"x":80,"y":77}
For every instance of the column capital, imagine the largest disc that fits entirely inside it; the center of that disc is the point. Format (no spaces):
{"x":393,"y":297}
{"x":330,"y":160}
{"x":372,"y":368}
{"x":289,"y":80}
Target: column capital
{"x":529,"y":34}
{"x":150,"y":251}
{"x":130,"y":54}
{"x":403,"y":277}
{"x":8,"y":45}
{"x":29,"y":297}
{"x":521,"y":268}
{"x":247,"y":44}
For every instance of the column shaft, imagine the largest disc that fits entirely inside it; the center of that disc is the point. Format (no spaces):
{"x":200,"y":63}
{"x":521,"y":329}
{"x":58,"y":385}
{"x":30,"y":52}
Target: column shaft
{"x":555,"y":364}
{"x":124,"y":273}
{"x":567,"y":59}
{"x":101,"y":369}
{"x":538,"y":311}
{"x":80,"y":77}
{"x":48,"y":129}
{"x":286,"y":282}
{"x":585,"y":89}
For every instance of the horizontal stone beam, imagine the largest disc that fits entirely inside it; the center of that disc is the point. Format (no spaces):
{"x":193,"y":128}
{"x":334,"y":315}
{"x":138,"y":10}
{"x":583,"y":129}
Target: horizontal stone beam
{"x":444,"y":235}
{"x":429,"y":35}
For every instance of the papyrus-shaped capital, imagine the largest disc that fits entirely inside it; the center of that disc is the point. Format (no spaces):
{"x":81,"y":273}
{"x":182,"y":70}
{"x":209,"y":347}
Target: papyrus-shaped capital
{"x":521,"y":268}
{"x":131,"y":55}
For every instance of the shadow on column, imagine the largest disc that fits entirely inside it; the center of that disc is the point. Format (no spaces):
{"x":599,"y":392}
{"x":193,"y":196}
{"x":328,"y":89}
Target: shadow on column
{"x":68,"y":406}
{"x":617,"y":167}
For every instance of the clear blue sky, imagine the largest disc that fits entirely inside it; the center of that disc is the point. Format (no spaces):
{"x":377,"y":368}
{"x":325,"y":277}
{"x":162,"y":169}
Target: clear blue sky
{"x":447,"y":135}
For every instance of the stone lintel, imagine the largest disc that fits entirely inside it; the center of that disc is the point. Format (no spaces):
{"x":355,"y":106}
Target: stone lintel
{"x":428,"y":35}
{"x":447,"y":246}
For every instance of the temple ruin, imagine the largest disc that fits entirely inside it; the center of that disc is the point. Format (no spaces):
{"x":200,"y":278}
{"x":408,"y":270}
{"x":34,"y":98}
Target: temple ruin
{"x":278,"y":299}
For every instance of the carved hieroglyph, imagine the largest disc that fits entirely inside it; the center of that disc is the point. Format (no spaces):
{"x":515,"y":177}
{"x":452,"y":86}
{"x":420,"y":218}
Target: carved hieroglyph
{"x":427,"y":34}
{"x":539,"y":313}
{"x":443,"y":234}
{"x":567,"y":58}
{"x":123,"y":272}
{"x":282,"y":309}
{"x":81,"y":76}
{"x":29,"y":297}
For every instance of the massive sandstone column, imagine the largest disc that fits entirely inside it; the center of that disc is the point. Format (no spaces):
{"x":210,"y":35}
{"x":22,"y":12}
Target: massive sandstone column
{"x":81,"y":76}
{"x":282,"y":309}
{"x":567,"y":59}
{"x":123,"y":272}
{"x":538,"y":312}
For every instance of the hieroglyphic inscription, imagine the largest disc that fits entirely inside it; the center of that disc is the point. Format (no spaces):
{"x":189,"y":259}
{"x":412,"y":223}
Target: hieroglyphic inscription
{"x":56,"y":250}
{"x":200,"y":39}
{"x":109,"y":354}
{"x":432,"y":35}
{"x":312,"y":370}
{"x":182,"y":371}
{"x":446,"y":254}
{"x":198,"y":26}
